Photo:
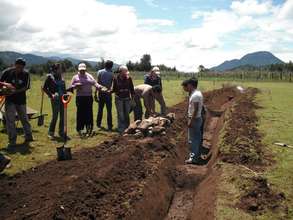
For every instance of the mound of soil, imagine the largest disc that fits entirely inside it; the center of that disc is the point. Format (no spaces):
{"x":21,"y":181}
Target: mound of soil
{"x":123,"y":178}
{"x":242,"y":142}
{"x":260,"y":197}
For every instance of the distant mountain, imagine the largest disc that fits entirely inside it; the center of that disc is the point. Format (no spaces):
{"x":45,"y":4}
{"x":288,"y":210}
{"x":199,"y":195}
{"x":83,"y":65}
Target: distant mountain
{"x":257,"y":59}
{"x":8,"y":57}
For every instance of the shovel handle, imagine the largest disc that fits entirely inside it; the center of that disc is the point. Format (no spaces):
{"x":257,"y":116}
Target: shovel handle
{"x":2,"y":98}
{"x":66,"y":99}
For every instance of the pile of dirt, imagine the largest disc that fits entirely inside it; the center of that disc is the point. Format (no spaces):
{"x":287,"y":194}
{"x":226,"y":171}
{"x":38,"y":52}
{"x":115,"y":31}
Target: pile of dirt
{"x":124,"y":178}
{"x":260,"y":197}
{"x":242,"y":142}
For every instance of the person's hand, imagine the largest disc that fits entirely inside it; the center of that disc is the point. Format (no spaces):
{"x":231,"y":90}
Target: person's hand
{"x":77,"y":85}
{"x":189,"y":123}
{"x":9,"y":86}
{"x":54,"y":96}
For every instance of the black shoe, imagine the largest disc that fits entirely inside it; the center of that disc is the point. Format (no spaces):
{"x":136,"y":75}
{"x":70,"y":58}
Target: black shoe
{"x":29,"y":139}
{"x":4,"y":161}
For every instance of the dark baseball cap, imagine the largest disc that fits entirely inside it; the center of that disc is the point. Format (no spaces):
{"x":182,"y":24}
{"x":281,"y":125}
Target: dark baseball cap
{"x":20,"y":61}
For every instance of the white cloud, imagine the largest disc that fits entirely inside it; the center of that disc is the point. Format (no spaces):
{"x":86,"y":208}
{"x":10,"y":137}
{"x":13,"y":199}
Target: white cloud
{"x":157,"y":22}
{"x":92,"y":29}
{"x":286,"y":10}
{"x":251,"y":7}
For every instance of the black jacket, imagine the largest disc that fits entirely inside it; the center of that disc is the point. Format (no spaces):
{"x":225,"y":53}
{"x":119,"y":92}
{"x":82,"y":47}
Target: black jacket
{"x":19,"y":81}
{"x":153,"y":81}
{"x":50,"y":85}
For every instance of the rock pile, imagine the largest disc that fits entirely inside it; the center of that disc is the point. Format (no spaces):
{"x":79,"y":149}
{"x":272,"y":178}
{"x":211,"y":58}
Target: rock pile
{"x":153,"y":126}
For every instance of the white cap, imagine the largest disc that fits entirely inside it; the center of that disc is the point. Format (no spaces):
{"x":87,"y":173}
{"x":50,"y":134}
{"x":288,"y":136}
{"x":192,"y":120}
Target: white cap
{"x":121,"y":68}
{"x":156,"y":70}
{"x":81,"y":66}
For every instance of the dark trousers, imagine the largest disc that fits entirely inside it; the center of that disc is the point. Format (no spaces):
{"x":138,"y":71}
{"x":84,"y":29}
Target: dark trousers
{"x":84,"y":114}
{"x":105,"y":99}
{"x":57,"y":110}
{"x":138,"y":111}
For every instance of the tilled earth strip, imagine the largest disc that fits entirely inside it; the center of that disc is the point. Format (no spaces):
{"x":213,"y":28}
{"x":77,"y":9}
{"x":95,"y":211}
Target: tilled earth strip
{"x":120,"y":179}
{"x":242,"y":146}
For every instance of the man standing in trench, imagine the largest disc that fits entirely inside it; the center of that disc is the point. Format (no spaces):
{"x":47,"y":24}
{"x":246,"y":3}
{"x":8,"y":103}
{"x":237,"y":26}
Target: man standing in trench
{"x":18,"y":80}
{"x":195,"y":120}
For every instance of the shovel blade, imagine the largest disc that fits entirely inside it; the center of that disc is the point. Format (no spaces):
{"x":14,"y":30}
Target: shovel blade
{"x":60,"y":153}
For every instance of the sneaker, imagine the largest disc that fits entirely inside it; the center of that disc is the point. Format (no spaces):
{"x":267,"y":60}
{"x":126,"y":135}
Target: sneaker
{"x":50,"y":136}
{"x":189,"y":161}
{"x":11,"y":144}
{"x":4,"y":161}
{"x":192,"y":159}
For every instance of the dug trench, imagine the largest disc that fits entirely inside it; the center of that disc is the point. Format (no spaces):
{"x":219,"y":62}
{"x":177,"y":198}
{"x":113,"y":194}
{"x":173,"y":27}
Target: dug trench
{"x":124,"y":178}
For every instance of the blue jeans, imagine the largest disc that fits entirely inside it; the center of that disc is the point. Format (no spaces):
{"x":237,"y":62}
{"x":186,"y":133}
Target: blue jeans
{"x":57,"y":110}
{"x":105,"y":99}
{"x":123,"y":107}
{"x":195,"y":137}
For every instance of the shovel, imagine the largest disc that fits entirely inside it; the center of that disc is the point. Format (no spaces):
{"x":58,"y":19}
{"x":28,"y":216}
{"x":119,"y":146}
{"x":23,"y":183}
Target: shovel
{"x":2,"y":102}
{"x":64,"y":152}
{"x":41,"y":117}
{"x":283,"y":145}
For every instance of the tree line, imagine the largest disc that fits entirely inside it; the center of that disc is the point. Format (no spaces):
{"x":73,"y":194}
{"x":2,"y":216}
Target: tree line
{"x":145,"y":64}
{"x":282,"y":72}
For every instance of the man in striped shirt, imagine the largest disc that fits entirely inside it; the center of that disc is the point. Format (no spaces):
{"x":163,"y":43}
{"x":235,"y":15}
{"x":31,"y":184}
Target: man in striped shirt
{"x":17,"y":80}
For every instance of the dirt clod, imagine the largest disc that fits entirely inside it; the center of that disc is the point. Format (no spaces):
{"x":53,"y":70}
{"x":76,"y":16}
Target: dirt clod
{"x":260,"y":197}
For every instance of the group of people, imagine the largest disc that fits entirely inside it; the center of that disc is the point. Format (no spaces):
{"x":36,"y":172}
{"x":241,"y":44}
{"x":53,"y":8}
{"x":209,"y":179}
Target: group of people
{"x":127,"y":98}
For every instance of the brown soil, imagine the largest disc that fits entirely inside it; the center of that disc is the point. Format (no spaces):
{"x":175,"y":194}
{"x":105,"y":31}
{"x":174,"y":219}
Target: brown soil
{"x":260,"y":197}
{"x":242,"y":140}
{"x":242,"y":145}
{"x":123,"y":178}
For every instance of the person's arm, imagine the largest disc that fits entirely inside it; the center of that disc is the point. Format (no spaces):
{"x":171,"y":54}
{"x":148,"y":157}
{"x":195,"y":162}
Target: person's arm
{"x":99,"y":77}
{"x":115,"y":86}
{"x":46,"y":88}
{"x":160,"y":82}
{"x":193,"y":117}
{"x":99,"y":81}
{"x":146,"y":80}
{"x":3,"y":76}
{"x":131,"y":88}
{"x":73,"y":82}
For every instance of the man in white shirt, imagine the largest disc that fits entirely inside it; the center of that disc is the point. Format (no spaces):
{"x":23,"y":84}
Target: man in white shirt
{"x":194,"y":119}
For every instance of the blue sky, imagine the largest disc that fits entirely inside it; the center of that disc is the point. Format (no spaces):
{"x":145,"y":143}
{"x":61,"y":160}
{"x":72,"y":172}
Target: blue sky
{"x":181,"y":33}
{"x":178,"y":10}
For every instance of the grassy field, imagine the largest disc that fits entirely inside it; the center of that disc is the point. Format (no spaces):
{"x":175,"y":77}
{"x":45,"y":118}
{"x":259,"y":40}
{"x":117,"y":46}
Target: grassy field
{"x":276,"y":123}
{"x":42,"y":149}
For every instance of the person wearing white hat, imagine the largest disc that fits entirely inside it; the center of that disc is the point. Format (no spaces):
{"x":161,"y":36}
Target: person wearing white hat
{"x":124,"y":94}
{"x":83,"y":82}
{"x":154,"y":79}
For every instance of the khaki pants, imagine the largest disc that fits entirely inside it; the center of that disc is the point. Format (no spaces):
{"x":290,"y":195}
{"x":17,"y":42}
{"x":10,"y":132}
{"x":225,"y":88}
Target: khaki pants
{"x":159,"y":97}
{"x":10,"y":114}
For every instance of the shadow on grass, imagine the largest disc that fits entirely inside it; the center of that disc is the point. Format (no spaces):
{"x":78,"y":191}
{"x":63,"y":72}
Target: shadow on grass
{"x":23,"y":149}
